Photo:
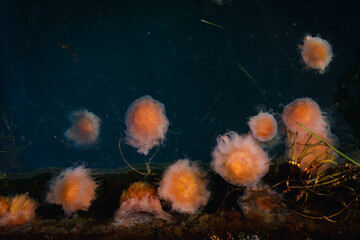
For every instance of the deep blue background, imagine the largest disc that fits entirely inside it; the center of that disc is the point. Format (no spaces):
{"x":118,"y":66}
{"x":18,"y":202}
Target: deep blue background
{"x":127,"y":49}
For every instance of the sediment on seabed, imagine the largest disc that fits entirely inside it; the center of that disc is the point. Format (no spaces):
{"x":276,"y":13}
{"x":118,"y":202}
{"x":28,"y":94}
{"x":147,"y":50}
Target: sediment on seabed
{"x":222,"y":218}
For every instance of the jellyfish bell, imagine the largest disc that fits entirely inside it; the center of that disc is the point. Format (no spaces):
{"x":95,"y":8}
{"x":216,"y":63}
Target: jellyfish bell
{"x":263,"y":126}
{"x":261,"y":203}
{"x":184,"y":185}
{"x":85,"y":128}
{"x":146,"y":124}
{"x":317,"y":158}
{"x":4,"y":205}
{"x":307,"y":112}
{"x":138,"y":204}
{"x":19,"y":210}
{"x":240,"y":160}
{"x":316,"y":53}
{"x":74,"y":189}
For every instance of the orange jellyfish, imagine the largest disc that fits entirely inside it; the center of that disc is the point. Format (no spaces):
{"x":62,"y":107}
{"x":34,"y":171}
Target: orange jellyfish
{"x":317,"y":157}
{"x":85,"y":128}
{"x":146,"y":124}
{"x":138,"y":204}
{"x":240,"y":160}
{"x":73,"y":189}
{"x":263,"y":126}
{"x":16,"y":211}
{"x":260,"y":203}
{"x":316,"y":53}
{"x":184,"y":185}
{"x":4,"y":205}
{"x":307,"y":112}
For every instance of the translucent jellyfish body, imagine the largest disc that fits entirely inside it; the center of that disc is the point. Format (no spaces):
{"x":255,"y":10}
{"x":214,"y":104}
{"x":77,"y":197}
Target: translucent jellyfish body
{"x":318,"y":157}
{"x":316,"y":53}
{"x":308,"y":152}
{"x":307,"y":112}
{"x":73,"y":189}
{"x":259,"y":202}
{"x":184,"y":185}
{"x":85,"y":128}
{"x":263,"y":126}
{"x":16,"y":211}
{"x":240,"y":160}
{"x":146,"y":124}
{"x":138,"y":204}
{"x":4,"y":205}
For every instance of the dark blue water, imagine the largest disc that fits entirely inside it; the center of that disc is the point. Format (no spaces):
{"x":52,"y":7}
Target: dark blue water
{"x":127,"y":49}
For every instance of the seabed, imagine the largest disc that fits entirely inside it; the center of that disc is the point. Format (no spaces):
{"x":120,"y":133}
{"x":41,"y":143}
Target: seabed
{"x":222,"y":218}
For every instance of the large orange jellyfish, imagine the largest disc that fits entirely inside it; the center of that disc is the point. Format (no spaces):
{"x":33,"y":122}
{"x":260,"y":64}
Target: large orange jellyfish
{"x":4,"y":205}
{"x":307,"y":112}
{"x":263,"y":126}
{"x":73,"y":189}
{"x":260,"y":203}
{"x":317,"y":157}
{"x":240,"y":160}
{"x":85,"y":128}
{"x":16,"y":211}
{"x":138,"y":204}
{"x":146,"y":124}
{"x":316,"y":53}
{"x":184,"y":185}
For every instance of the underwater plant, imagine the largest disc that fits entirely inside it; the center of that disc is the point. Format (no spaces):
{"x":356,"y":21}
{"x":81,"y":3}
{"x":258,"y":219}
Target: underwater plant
{"x":239,"y":159}
{"x":320,"y":182}
{"x":146,"y":124}
{"x":303,"y":150}
{"x":11,"y":145}
{"x":85,"y":128}
{"x":329,"y":145}
{"x":310,"y":154}
{"x":184,"y":185}
{"x":74,"y":189}
{"x":138,"y":204}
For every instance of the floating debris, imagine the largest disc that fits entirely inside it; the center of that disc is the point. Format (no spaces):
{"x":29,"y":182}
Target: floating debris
{"x":213,"y":24}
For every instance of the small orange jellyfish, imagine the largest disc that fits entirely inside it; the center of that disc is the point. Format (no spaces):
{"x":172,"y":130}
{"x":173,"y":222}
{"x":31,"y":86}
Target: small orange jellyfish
{"x":259,"y":202}
{"x":85,"y":128}
{"x":316,"y":53}
{"x":184,"y":185}
{"x":307,"y":112}
{"x":73,"y":189}
{"x":138,"y":204}
{"x":16,"y":211}
{"x":240,"y":160}
{"x":263,"y":127}
{"x":146,"y":124}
